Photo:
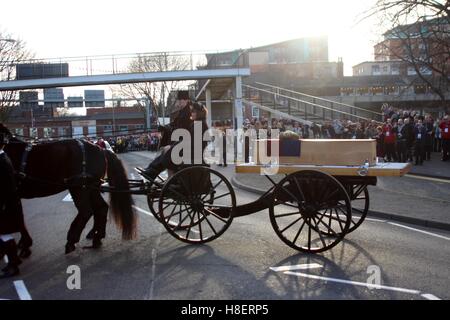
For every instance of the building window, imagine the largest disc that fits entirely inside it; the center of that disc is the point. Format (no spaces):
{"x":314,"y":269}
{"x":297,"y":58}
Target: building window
{"x":395,"y":70}
{"x":138,"y":128}
{"x":123,"y":129}
{"x":47,"y":132}
{"x":376,"y":70}
{"x":411,"y":71}
{"x":107,"y":130}
{"x":18,"y":131}
{"x":33,"y":133}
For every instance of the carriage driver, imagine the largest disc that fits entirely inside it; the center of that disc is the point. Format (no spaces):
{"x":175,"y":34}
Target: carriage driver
{"x":197,"y":112}
{"x":10,"y":213}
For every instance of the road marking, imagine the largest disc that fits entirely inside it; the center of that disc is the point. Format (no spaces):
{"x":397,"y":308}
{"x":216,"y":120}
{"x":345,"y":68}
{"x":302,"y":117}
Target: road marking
{"x":296,"y":267}
{"x":68,"y":198}
{"x":430,"y":296}
{"x":143,"y":211}
{"x":355,"y":283}
{"x":376,"y":220}
{"x":427,"y":178}
{"x":22,"y":290}
{"x":133,"y":176}
{"x":421,"y":231}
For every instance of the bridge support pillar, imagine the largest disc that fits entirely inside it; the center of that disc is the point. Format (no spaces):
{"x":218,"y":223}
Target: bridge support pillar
{"x":208,"y":106}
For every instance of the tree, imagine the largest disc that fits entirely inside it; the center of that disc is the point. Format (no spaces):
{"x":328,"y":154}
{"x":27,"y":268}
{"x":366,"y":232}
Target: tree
{"x":419,"y":36}
{"x":12,"y":51}
{"x":155,"y":92}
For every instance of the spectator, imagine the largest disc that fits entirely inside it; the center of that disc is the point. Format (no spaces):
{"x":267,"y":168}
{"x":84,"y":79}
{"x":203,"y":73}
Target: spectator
{"x":420,"y":133}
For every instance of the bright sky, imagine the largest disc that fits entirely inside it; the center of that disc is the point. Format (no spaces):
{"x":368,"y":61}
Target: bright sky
{"x":55,"y":28}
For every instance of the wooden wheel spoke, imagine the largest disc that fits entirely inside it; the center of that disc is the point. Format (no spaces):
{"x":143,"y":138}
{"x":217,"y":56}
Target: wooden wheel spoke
{"x":190,"y":224}
{"x":286,"y":214}
{"x":358,"y":191}
{"x":200,"y":226}
{"x":221,"y":196}
{"x":299,"y":231}
{"x":320,"y":233}
{"x":299,"y":188}
{"x":291,"y":224}
{"x":209,"y":223}
{"x":309,"y":233}
{"x":330,"y":229}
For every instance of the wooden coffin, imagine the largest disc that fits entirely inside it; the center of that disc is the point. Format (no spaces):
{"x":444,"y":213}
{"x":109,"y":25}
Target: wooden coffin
{"x":338,"y":152}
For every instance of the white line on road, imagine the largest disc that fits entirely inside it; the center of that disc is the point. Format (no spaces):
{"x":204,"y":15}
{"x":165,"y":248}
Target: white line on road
{"x":421,"y":231}
{"x":430,"y":296}
{"x":143,"y":211}
{"x":376,"y":220}
{"x":22,"y":290}
{"x":355,"y":283}
{"x":296,"y":267}
{"x":427,"y":178}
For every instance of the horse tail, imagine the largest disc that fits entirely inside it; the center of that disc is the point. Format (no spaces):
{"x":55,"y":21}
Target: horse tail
{"x":121,"y":201}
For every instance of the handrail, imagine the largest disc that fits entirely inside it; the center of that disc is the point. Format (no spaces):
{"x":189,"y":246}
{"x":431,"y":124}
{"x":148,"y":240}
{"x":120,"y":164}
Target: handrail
{"x":318,"y":98}
{"x":306,"y":102}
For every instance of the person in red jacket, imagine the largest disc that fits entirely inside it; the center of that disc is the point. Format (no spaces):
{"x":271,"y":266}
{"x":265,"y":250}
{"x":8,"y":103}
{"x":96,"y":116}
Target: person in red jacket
{"x":445,"y":132}
{"x":390,"y":137}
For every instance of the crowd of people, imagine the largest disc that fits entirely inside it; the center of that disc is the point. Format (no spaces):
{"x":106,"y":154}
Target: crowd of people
{"x":403,"y":136}
{"x":122,"y":144}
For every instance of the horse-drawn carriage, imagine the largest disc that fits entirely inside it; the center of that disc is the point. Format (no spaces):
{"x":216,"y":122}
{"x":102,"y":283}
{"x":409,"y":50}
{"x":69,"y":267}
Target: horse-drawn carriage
{"x":311,"y":208}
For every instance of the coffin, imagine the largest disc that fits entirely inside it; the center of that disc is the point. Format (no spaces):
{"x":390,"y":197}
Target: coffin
{"x":338,"y":152}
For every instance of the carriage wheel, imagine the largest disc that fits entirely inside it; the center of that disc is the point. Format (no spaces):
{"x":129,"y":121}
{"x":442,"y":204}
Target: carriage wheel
{"x":304,"y":201}
{"x":197,"y":204}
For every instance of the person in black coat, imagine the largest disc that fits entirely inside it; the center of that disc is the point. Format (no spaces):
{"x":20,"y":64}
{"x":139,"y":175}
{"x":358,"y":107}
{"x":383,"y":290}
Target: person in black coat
{"x":10,"y":213}
{"x":420,"y":133}
{"x":164,"y":160}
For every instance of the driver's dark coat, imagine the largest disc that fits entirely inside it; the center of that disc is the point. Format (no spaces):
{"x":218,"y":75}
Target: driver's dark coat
{"x":10,"y":205}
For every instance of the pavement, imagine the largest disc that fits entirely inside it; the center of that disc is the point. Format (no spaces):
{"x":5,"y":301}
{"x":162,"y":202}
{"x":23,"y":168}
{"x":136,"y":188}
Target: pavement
{"x":247,"y":262}
{"x":435,"y":168}
{"x":420,"y":198}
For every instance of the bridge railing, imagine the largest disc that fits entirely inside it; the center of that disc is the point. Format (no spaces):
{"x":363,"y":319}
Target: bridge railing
{"x":339,"y":108}
{"x":132,"y":62}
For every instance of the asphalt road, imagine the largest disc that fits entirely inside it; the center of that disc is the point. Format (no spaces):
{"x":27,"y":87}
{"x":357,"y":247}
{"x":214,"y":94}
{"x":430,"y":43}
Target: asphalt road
{"x":413,"y":261}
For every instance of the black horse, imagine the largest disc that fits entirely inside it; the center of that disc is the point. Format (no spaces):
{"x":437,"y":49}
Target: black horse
{"x":77,"y":166}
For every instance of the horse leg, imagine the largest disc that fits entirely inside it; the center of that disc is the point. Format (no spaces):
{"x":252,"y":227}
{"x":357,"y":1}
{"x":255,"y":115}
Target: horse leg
{"x":100,"y":218}
{"x":25,"y":241}
{"x":81,"y":200}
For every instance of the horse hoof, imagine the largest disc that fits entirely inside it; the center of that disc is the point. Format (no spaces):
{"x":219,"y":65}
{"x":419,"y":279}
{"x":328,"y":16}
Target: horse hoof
{"x":97,"y":243}
{"x":70,"y":247}
{"x":25,"y":253}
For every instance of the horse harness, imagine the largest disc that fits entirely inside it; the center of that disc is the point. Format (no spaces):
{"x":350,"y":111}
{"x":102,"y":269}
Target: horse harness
{"x":83,"y":176}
